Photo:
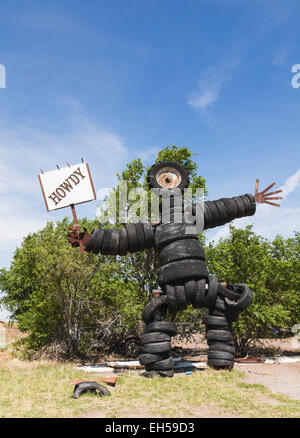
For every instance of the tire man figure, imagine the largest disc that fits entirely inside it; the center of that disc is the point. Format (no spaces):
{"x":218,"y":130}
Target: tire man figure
{"x":182,"y":275}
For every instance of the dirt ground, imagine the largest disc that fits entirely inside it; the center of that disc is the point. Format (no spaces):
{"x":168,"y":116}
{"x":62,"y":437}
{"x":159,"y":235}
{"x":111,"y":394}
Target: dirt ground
{"x":278,"y":377}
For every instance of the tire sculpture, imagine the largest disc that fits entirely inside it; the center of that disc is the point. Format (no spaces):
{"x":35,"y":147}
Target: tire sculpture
{"x":183,"y":275}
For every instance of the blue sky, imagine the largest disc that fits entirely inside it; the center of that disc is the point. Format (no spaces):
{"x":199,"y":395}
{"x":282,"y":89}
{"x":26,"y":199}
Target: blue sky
{"x":111,"y":81}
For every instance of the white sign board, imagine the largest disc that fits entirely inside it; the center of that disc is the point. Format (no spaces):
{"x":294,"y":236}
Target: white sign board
{"x":64,"y":187}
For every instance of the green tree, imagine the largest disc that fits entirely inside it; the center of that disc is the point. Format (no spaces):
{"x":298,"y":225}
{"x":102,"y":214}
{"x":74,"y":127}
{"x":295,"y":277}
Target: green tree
{"x":270,"y":269}
{"x":54,"y":292}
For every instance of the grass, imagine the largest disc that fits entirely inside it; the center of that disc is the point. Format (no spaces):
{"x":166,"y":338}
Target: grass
{"x":42,"y":389}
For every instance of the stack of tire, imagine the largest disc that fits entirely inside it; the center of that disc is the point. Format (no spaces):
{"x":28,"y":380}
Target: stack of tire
{"x":156,"y":348}
{"x":132,"y":238}
{"x":219,"y":324}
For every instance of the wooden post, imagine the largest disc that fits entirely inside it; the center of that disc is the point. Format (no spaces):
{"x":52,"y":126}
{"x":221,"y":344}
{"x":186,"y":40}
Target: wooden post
{"x":76,"y":226}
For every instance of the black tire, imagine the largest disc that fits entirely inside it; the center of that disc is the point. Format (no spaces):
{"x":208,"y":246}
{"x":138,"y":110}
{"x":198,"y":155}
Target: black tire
{"x":149,"y":235}
{"x":162,"y":365}
{"x":147,"y":358}
{"x":151,"y":307}
{"x":216,"y":313}
{"x":154,"y":181}
{"x":148,"y":338}
{"x":212,"y":291}
{"x":133,"y":244}
{"x":180,"y":297}
{"x":225,"y":355}
{"x":212,"y":215}
{"x":140,"y":236}
{"x":151,"y":374}
{"x":166,"y":373}
{"x":182,"y":270}
{"x":252,"y":202}
{"x":199,"y":300}
{"x":230,"y":206}
{"x":168,"y":233}
{"x":157,"y":347}
{"x":181,"y":249}
{"x":106,"y":244}
{"x":215,"y":321}
{"x":246,"y":202}
{"x":115,"y":241}
{"x":123,"y":246}
{"x":171,"y":299}
{"x":96,"y":241}
{"x":219,"y":335}
{"x":244,"y":301}
{"x":218,"y":346}
{"x":228,"y":292}
{"x":223,"y":217}
{"x":220,"y":364}
{"x":162,"y":326}
{"x":240,"y":206}
{"x":190,"y":291}
{"x":83,"y":387}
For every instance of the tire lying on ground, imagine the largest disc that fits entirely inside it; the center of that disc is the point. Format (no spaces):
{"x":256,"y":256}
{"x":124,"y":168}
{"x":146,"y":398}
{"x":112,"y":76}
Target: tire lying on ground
{"x":83,"y":387}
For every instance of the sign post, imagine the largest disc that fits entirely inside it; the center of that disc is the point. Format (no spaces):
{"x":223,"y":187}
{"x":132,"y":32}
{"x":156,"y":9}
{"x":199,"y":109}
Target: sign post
{"x":67,"y":187}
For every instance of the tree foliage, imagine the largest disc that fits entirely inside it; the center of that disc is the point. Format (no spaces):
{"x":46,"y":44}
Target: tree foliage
{"x":271,"y":269}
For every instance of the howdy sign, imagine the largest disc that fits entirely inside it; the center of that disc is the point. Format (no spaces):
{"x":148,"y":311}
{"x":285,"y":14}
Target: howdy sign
{"x":68,"y":186}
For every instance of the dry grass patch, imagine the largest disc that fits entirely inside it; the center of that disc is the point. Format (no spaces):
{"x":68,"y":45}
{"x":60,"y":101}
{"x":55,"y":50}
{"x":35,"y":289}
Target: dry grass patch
{"x":42,"y":389}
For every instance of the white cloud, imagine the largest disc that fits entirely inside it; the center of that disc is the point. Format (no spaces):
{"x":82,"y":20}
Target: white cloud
{"x":290,"y":184}
{"x":210,"y":83}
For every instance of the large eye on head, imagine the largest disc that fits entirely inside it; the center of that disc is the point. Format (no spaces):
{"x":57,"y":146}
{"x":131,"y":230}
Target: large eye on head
{"x":167,"y":175}
{"x":168,"y":178}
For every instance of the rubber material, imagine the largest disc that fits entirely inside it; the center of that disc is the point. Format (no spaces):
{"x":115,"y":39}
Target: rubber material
{"x":83,"y":387}
{"x":153,"y":171}
{"x":156,"y":347}
{"x":180,"y":297}
{"x":151,"y":307}
{"x":181,"y":249}
{"x":106,"y":245}
{"x":162,"y":365}
{"x":147,"y":338}
{"x":133,"y":245}
{"x":219,"y":346}
{"x":171,"y":299}
{"x":244,"y":301}
{"x":162,"y":326}
{"x":219,"y":335}
{"x":147,"y":358}
{"x":168,"y":233}
{"x":123,"y":246}
{"x":182,"y":270}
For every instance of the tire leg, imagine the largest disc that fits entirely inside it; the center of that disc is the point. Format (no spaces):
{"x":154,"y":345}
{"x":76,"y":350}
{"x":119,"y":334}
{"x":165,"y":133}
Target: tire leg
{"x":219,"y":336}
{"x":154,"y":368}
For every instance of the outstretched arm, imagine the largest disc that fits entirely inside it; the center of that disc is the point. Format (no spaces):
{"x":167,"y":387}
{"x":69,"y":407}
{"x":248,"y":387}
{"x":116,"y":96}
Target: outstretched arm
{"x":132,"y":238}
{"x":224,"y":210}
